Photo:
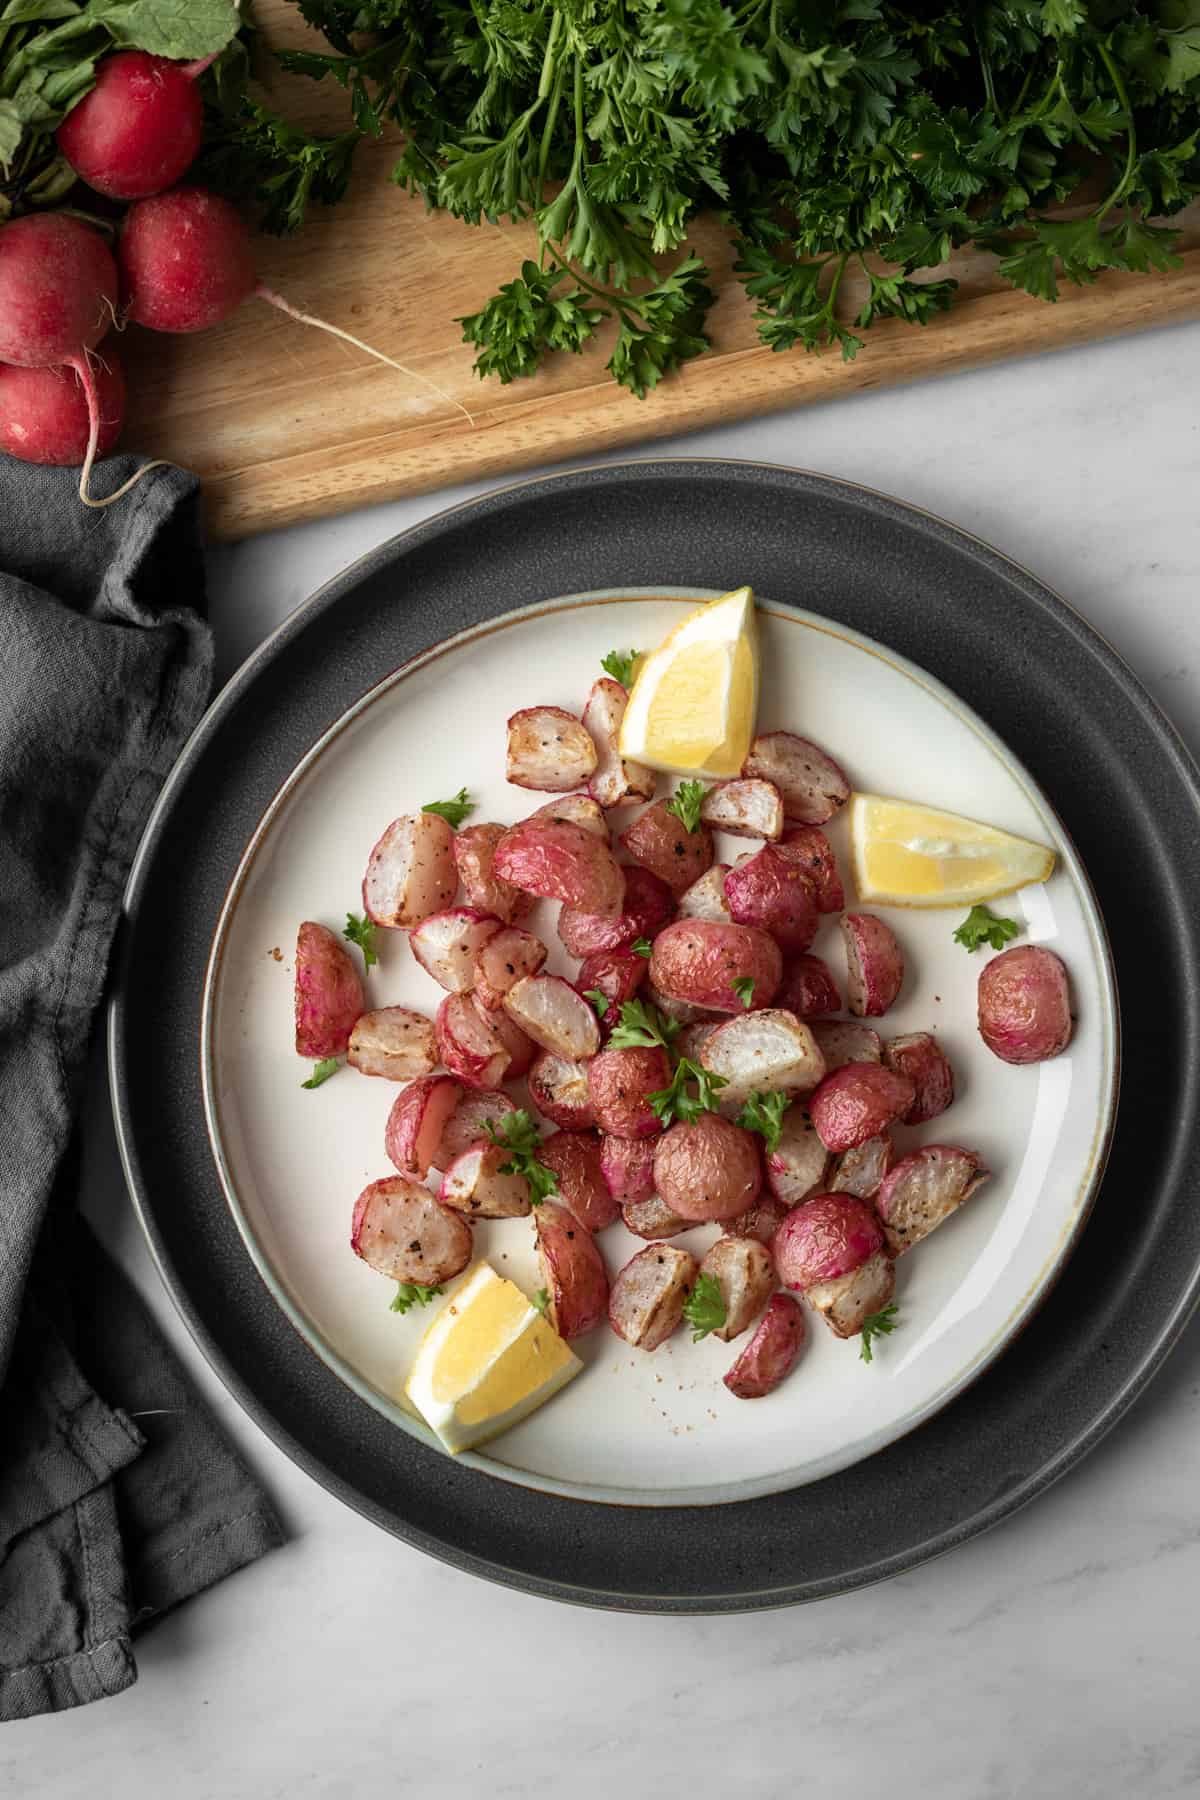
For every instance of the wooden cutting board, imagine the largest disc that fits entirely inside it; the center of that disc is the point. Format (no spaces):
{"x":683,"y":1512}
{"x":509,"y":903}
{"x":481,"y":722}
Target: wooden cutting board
{"x":284,"y":423}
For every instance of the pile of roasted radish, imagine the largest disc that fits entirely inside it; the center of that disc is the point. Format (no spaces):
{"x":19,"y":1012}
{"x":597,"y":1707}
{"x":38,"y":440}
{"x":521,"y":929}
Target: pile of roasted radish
{"x":692,"y":1072}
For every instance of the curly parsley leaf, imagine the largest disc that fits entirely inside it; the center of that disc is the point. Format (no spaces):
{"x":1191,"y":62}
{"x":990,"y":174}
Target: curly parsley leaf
{"x":359,"y":930}
{"x":661,"y":328}
{"x":983,"y":926}
{"x":677,"y":1103}
{"x":620,"y":666}
{"x":322,"y":1071}
{"x":743,"y":987}
{"x":453,"y":811}
{"x":599,"y":1000}
{"x":528,"y":318}
{"x":250,"y":153}
{"x":764,"y":1113}
{"x":877,"y":1324}
{"x":519,"y":1134}
{"x":642,"y":947}
{"x":705,"y":1309}
{"x":643,"y":1027}
{"x":541,"y":1300}
{"x":410,"y":1294}
{"x":686,"y":802}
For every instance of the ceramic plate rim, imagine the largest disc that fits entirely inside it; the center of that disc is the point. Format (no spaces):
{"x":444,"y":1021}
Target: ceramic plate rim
{"x":970,"y":1371}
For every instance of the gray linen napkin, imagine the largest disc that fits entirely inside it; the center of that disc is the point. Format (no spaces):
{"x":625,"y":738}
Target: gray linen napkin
{"x":118,"y":1495}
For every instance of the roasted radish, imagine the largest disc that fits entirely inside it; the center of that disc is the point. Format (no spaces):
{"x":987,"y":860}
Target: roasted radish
{"x":419,"y":1116}
{"x":658,"y":840}
{"x":616,"y":975}
{"x":744,"y":808}
{"x":809,"y":847}
{"x":619,"y":1083}
{"x":808,"y":988}
{"x":474,"y":1184}
{"x":919,"y":1056}
{"x":573,"y":1271}
{"x":861,"y":1171}
{"x":652,"y":1218}
{"x":743,"y":1270}
{"x":796,"y":1166}
{"x":773,"y":892}
{"x":843,"y":1041}
{"x":1025,"y":1005}
{"x":329,"y":993}
{"x":856,"y":1103}
{"x":548,"y":749}
{"x":707,"y":1168}
{"x":469,"y":1044}
{"x":767,"y":1052}
{"x":469,"y":1123}
{"x":411,"y":871}
{"x":648,"y":1296}
{"x":705,"y":899}
{"x":407,"y":1235}
{"x":628,"y":1166}
{"x":504,"y":959}
{"x":693,"y":1037}
{"x":811,"y":783}
{"x":830,"y":1249}
{"x":578,"y":809}
{"x":614,"y":782}
{"x":771,"y":1352}
{"x":761,"y":1220}
{"x":718,"y":967}
{"x":549,"y":1010}
{"x":447,"y":945}
{"x":646,"y":907}
{"x":576,"y":1159}
{"x":520,"y":1048}
{"x":474,"y":854}
{"x":923,"y":1189}
{"x":393,"y":1042}
{"x":559,"y":860}
{"x":874,"y":964}
{"x":559,"y":1090}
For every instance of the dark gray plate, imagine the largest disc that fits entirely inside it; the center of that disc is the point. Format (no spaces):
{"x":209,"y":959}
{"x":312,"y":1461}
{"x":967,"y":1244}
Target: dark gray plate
{"x":1076,"y":717}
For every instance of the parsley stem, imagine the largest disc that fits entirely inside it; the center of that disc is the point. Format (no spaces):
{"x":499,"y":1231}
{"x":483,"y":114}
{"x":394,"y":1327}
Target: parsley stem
{"x":1119,"y":89}
{"x":547,"y":135}
{"x":549,"y":60}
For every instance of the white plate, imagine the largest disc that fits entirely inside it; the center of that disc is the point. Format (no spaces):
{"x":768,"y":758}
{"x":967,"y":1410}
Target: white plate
{"x":632,"y":1428}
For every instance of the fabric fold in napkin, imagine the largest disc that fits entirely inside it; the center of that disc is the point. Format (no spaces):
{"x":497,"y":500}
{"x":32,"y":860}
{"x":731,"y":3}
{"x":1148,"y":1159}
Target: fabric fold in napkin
{"x":119,"y":1497}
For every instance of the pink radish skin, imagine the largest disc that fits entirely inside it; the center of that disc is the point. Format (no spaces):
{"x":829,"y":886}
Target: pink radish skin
{"x":138,"y":130}
{"x":44,"y":412}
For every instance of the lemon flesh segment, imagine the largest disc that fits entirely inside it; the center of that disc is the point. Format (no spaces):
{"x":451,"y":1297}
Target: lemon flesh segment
{"x":691,"y":709}
{"x":906,"y":854}
{"x":487,"y":1360}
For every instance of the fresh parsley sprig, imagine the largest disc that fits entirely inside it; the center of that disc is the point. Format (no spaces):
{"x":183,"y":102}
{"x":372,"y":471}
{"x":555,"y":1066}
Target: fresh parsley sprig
{"x":764,"y":1113}
{"x":519,"y":1134}
{"x":705,"y":1309}
{"x":743,"y":987}
{"x":322,"y":1071}
{"x":410,"y":1294}
{"x":620,"y":665}
{"x":677,"y":1103}
{"x":453,"y":811}
{"x":982,"y":926}
{"x":600,"y":1000}
{"x":686,"y":802}
{"x":642,"y":1027}
{"x":642,"y":947}
{"x":359,"y":930}
{"x":877,"y":1324}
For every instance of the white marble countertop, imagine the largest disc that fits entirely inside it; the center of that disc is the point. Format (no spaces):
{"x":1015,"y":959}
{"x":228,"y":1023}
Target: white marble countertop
{"x":1055,"y":1657}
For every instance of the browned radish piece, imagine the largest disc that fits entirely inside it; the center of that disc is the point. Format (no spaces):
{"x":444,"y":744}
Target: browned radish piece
{"x":547,"y":1009}
{"x":648,"y":1296}
{"x":831,"y":1250}
{"x":619,"y":1082}
{"x":760,"y":1221}
{"x":923,"y":1189}
{"x":393,"y":1042}
{"x":658,"y":841}
{"x":575,"y":1158}
{"x":811,"y":849}
{"x":573,"y":1271}
{"x":407,"y":1235}
{"x":468,"y":1123}
{"x":627,"y":1165}
{"x":752,"y":809}
{"x":874,"y":964}
{"x":652,"y":1218}
{"x":843,"y":1041}
{"x":559,"y":860}
{"x":468,"y":1043}
{"x":771,"y":1352}
{"x":474,"y":1184}
{"x":521,"y":1049}
{"x":1025,"y":1005}
{"x":693,"y":1037}
{"x":919,"y":1056}
{"x":743,"y":1270}
{"x":329,"y":993}
{"x":549,"y":749}
{"x":768,"y":1052}
{"x":411,"y":871}
{"x":705,"y":899}
{"x":808,"y":988}
{"x":812,"y":785}
{"x":578,"y":809}
{"x":697,"y":961}
{"x":615,"y":783}
{"x":447,"y":945}
{"x":707,"y":1169}
{"x":559,"y":1090}
{"x":503,"y":960}
{"x":474,"y":853}
{"x":681,"y":1011}
{"x":774,"y":893}
{"x":856,"y":1103}
{"x":419,"y":1116}
{"x":645,"y":910}
{"x":797,"y":1165}
{"x":861,"y":1171}
{"x":617,"y":975}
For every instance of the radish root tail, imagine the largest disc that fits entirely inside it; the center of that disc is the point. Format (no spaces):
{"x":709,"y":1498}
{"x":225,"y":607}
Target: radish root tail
{"x":83,"y":369}
{"x":293,"y":312}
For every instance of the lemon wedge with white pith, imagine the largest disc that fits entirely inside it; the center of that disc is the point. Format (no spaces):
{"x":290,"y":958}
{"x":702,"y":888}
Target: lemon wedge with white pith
{"x":691,"y":709}
{"x":906,"y":854}
{"x":488,"y":1360}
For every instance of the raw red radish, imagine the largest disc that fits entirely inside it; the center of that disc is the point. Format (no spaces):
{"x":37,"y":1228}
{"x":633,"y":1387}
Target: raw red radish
{"x":44,"y":412}
{"x":139,"y":128}
{"x":187,"y":263}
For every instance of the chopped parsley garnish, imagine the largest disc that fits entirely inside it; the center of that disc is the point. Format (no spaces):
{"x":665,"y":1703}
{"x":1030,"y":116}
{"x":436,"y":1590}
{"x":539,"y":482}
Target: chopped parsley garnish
{"x":453,"y":811}
{"x":686,"y":802}
{"x":743,"y":987}
{"x":620,"y":666}
{"x":410,"y":1294}
{"x":764,"y":1113}
{"x":879,"y":1324}
{"x":599,"y":1000}
{"x":321,"y":1072}
{"x":642,"y":1027}
{"x":705,"y":1309}
{"x":519,"y":1134}
{"x":642,"y":947}
{"x":541,"y":1300}
{"x":359,"y":930}
{"x":677,"y":1103}
{"x":982,"y":926}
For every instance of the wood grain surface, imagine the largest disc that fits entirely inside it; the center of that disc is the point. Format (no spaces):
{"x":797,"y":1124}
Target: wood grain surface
{"x":284,"y":423}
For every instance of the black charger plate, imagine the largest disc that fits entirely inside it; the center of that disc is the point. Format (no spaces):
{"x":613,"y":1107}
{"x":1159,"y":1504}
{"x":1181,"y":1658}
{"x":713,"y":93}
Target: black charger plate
{"x":1128,"y":794}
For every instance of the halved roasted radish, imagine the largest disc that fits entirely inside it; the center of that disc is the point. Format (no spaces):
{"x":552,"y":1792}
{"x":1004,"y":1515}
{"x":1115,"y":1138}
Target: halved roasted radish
{"x":581,"y":810}
{"x":861,"y":1171}
{"x":745,"y":808}
{"x":573,"y":1271}
{"x":627,"y":1165}
{"x":402,"y":1232}
{"x":647,"y":1299}
{"x":844,"y":1041}
{"x":924,"y":1188}
{"x":417,"y":1120}
{"x":874,"y":964}
{"x":811,"y":783}
{"x":469,"y":1122}
{"x":796,"y":1166}
{"x":705,"y":899}
{"x":549,"y":1010}
{"x":766,"y":1052}
{"x":559,"y":1089}
{"x":394,"y":1042}
{"x":503,"y":960}
{"x":615,"y":783}
{"x":549,"y":749}
{"x":771,"y":1352}
{"x":469,"y":1044}
{"x":521,"y":1048}
{"x":645,"y":909}
{"x":743,"y":1270}
{"x":329,"y":992}
{"x":411,"y":871}
{"x":808,"y":988}
{"x":576,"y":1159}
{"x":808,"y":846}
{"x":559,"y":860}
{"x":652,"y":1218}
{"x":474,"y":853}
{"x":447,"y":945}
{"x":476,"y":1185}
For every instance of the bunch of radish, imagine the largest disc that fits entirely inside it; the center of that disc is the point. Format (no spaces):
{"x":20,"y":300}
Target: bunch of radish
{"x":182,"y":261}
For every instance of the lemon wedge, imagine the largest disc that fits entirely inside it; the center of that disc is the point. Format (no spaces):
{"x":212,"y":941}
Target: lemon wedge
{"x":487,"y":1360}
{"x":691,"y":710}
{"x":911,"y":855}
